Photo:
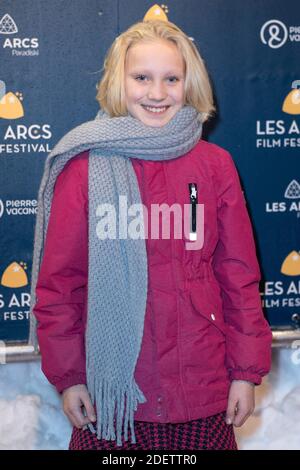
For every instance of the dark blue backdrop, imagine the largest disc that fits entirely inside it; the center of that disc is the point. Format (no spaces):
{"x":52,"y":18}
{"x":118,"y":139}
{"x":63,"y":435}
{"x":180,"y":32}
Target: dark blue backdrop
{"x":51,"y":54}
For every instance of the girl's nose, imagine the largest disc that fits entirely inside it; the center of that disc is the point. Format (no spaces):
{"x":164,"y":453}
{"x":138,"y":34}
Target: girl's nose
{"x":156,"y":91}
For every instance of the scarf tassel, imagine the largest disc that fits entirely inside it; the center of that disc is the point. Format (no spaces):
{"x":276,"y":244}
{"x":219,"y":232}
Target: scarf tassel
{"x":115,"y":410}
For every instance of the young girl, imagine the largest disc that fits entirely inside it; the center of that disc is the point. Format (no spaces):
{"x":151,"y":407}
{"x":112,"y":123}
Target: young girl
{"x":155,"y":340}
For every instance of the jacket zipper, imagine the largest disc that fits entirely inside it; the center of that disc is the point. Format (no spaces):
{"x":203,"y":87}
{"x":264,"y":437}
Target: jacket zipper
{"x":193,"y":204}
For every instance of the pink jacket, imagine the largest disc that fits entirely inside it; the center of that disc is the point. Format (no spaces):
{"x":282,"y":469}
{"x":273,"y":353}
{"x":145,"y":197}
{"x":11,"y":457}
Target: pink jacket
{"x":204,"y":324}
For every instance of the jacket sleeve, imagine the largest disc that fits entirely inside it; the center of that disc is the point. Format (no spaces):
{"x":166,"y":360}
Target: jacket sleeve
{"x":248,"y":335}
{"x":62,"y":281}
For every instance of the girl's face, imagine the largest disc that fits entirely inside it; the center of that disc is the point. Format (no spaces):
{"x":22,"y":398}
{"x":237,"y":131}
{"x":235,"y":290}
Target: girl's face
{"x":154,"y":81}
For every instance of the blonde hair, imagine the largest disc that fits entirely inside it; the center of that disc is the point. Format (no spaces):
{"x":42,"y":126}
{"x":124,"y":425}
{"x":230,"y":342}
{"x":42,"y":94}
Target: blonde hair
{"x":197,"y":87}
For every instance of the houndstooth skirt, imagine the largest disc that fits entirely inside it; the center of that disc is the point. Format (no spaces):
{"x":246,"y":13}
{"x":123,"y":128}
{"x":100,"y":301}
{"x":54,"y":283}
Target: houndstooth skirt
{"x":210,"y":433}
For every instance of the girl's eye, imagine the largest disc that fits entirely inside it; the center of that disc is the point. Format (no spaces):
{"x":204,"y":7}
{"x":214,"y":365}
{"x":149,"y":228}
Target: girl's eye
{"x":143,"y":78}
{"x":140,"y":78}
{"x":173,"y":79}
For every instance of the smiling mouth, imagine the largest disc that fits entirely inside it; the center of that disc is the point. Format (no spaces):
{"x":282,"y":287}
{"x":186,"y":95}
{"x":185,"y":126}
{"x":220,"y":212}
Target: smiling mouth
{"x":155,"y":109}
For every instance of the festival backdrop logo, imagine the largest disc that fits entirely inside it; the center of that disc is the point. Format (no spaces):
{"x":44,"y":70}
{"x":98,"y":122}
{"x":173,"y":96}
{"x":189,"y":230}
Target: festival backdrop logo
{"x":274,"y":34}
{"x":18,"y":46}
{"x":291,"y":104}
{"x":15,"y":275}
{"x":18,"y":207}
{"x":157,"y":12}
{"x":20,"y":138}
{"x":292,"y":205}
{"x":293,"y":190}
{"x":14,"y":305}
{"x":282,"y":133}
{"x":285,"y":293}
{"x":7,"y":25}
{"x":10,"y":103}
{"x":291,"y":264}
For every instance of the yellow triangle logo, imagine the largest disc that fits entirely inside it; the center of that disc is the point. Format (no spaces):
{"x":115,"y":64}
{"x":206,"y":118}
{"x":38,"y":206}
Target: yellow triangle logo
{"x":14,"y":276}
{"x":291,"y":264}
{"x":291,"y":104}
{"x":156,"y":13}
{"x":11,"y":107}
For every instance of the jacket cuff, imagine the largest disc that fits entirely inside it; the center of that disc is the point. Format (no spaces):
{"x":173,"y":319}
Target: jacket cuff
{"x":247,"y":376}
{"x":69,"y":381}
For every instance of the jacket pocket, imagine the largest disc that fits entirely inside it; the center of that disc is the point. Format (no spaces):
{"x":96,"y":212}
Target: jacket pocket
{"x":207,"y":302}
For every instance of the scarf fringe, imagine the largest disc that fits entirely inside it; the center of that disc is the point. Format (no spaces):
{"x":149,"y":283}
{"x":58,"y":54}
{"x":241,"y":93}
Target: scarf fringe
{"x":115,"y":410}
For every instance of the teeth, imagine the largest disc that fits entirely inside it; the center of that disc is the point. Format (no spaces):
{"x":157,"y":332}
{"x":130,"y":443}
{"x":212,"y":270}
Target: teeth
{"x":156,"y":110}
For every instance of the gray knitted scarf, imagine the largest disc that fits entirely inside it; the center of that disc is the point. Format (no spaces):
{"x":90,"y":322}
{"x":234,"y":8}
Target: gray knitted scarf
{"x":117,"y":271}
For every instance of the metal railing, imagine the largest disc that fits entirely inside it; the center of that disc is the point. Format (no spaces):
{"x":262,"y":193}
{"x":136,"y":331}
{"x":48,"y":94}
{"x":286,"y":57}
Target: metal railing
{"x":21,"y":352}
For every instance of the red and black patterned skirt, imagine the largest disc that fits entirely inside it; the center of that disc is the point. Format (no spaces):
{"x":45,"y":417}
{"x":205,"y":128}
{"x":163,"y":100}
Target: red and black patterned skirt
{"x":203,"y":434}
